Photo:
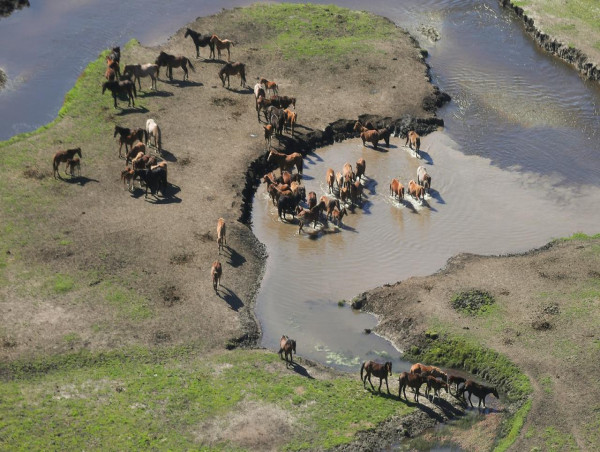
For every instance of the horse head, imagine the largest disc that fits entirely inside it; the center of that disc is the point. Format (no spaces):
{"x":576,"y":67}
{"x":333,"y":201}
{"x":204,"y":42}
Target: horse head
{"x":388,"y":367}
{"x":495,"y":392}
{"x":187,"y":33}
{"x":293,"y":344}
{"x":77,"y":151}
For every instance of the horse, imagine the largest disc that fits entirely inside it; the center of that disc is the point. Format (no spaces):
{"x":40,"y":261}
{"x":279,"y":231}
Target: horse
{"x":221,"y":234}
{"x":372,"y":136}
{"x":457,"y":380}
{"x":114,"y":66}
{"x":63,"y":156}
{"x":155,"y":179}
{"x":110,"y":74}
{"x":413,"y":139}
{"x":287,"y":346}
{"x":142,"y":70}
{"x":290,"y":120}
{"x":258,"y":92}
{"x":276,"y":119}
{"x":123,"y":86}
{"x":361,"y":166}
{"x":358,"y":127}
{"x":423,"y":178}
{"x":283,"y":101}
{"x":268,"y":134}
{"x":348,"y":174}
{"x":200,"y":41}
{"x":380,"y":371}
{"x":287,"y":204}
{"x":339,"y":180}
{"x":269,"y":85}
{"x":356,"y":191}
{"x":436,"y":385}
{"x":153,"y":131}
{"x":423,"y":370}
{"x":286,"y":161}
{"x":411,"y":380}
{"x":416,"y":190}
{"x":330,"y":205}
{"x":397,"y":189}
{"x":384,"y":134}
{"x":73,"y":164}
{"x":479,"y":390}
{"x":233,"y":69}
{"x":114,"y":55}
{"x":313,"y":214}
{"x":287,"y":178}
{"x":129,"y":137}
{"x":330,"y":178}
{"x":171,"y":61}
{"x":127,"y":178}
{"x":135,"y":151}
{"x":222,"y":44}
{"x":216,"y":272}
{"x":337,"y":215}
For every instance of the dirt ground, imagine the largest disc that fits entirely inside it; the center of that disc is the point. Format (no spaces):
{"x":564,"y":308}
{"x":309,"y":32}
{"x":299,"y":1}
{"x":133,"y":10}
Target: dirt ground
{"x":546,"y":321}
{"x":161,"y":249}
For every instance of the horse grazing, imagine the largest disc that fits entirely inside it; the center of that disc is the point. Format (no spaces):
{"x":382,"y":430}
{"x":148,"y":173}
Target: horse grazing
{"x":372,"y":136}
{"x":416,"y":190}
{"x":361,"y":166}
{"x":221,"y":234}
{"x":413,"y":139}
{"x":142,"y":70}
{"x":222,"y":44}
{"x":128,"y":137}
{"x":457,"y":380}
{"x":380,"y":371}
{"x":436,"y":385}
{"x":269,"y":86}
{"x":153,"y":131}
{"x":479,"y":390}
{"x":423,"y":178}
{"x":397,"y":189}
{"x":171,"y":61}
{"x":155,"y":180}
{"x":200,"y":41}
{"x":216,"y":272}
{"x":414,"y":381}
{"x":330,"y":178}
{"x":72,"y":165}
{"x":290,"y":120}
{"x":287,"y":346}
{"x":233,"y":69}
{"x":286,"y":162}
{"x":126,"y":87}
{"x":423,"y":370}
{"x":63,"y":156}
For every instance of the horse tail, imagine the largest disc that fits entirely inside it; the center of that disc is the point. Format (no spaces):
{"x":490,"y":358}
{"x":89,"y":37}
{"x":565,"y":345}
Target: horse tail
{"x":361,"y":370}
{"x":190,"y":63}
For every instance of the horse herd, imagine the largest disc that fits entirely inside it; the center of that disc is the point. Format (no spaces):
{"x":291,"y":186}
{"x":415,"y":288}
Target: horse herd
{"x":433,"y":377}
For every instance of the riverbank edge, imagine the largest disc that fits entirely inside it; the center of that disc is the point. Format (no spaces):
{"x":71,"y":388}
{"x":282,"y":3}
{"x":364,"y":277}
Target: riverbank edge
{"x":580,"y":61}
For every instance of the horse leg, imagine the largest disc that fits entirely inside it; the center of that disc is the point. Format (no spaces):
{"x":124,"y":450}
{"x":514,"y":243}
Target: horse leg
{"x":114,"y":95}
{"x":380,"y":383}
{"x":185,"y":72}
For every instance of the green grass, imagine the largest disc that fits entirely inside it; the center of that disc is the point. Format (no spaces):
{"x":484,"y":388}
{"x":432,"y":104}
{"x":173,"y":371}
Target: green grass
{"x":515,"y":425}
{"x":306,"y":31}
{"x":142,"y":399}
{"x":62,"y":283}
{"x":128,"y":303}
{"x":472,"y":302}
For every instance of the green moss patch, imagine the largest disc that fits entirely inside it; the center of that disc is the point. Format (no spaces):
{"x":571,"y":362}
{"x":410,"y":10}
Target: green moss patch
{"x":472,"y":302}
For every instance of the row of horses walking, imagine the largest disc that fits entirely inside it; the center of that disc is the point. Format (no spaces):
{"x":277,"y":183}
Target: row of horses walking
{"x":433,"y":377}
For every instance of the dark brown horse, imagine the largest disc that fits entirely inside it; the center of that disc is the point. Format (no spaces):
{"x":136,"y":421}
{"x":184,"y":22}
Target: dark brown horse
{"x":479,"y":390}
{"x":283,"y":101}
{"x":287,"y":346}
{"x":63,"y":156}
{"x":413,"y":381}
{"x":233,"y":69}
{"x":380,"y":371}
{"x":171,"y":61}
{"x":128,"y":136}
{"x":126,"y":87}
{"x":456,"y":380}
{"x":201,"y":41}
{"x":286,"y":162}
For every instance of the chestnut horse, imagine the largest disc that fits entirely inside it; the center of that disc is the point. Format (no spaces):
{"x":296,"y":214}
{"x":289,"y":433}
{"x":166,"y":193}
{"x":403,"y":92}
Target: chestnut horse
{"x":372,"y":136}
{"x":330,"y":178}
{"x":63,"y":156}
{"x":216,"y":272}
{"x":129,"y":137}
{"x":222,"y":44}
{"x":411,"y":380}
{"x":233,"y":69}
{"x":436,"y":385}
{"x":423,"y":370}
{"x":397,"y":189}
{"x":200,"y":41}
{"x":287,"y":346}
{"x":361,"y":166}
{"x":269,"y":86}
{"x":380,"y":371}
{"x":171,"y":61}
{"x":413,"y":139}
{"x":221,"y":234}
{"x":286,"y":162}
{"x":479,"y":390}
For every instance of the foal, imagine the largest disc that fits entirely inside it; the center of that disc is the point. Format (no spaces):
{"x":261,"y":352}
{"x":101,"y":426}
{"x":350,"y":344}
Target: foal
{"x":221,"y":234}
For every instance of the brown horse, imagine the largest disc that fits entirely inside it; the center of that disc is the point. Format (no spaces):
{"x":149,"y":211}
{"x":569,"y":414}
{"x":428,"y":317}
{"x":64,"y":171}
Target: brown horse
{"x":171,"y":61}
{"x":73,"y":165}
{"x":415,"y":190}
{"x":221,"y":234}
{"x":286,"y":162}
{"x":233,"y":69}
{"x":330,"y":178}
{"x":307,"y":215}
{"x":423,"y":370}
{"x":413,"y":139}
{"x":397,"y":189}
{"x":423,"y":178}
{"x":114,"y":66}
{"x":222,"y":44}
{"x":436,"y":385}
{"x":456,"y":380}
{"x":126,"y":87}
{"x":348,"y":174}
{"x":269,"y":86}
{"x":372,"y":136}
{"x":411,"y":380}
{"x":361,"y":166}
{"x":216,"y":272}
{"x":63,"y":156}
{"x":135,"y":151}
{"x":380,"y":371}
{"x":479,"y":390}
{"x":287,"y":346}
{"x":359,"y":127}
{"x":128,"y":137}
{"x":110,"y":75}
{"x":290,"y":120}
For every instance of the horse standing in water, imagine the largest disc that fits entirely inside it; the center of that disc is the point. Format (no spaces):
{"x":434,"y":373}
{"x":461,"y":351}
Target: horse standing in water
{"x":63,"y":156}
{"x":124,"y":86}
{"x":380,"y":371}
{"x":201,"y":41}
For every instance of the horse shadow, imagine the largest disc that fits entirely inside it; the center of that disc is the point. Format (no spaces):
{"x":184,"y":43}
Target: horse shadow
{"x":157,"y":93}
{"x":425,"y":156}
{"x":378,"y":149}
{"x":370,"y":185}
{"x":365,"y":206}
{"x":230,"y":298}
{"x":129,"y":110}
{"x":215,"y":61}
{"x":314,"y":155}
{"x":437,"y":196}
{"x":300,"y":370}
{"x":183,"y":83}
{"x":79,"y":180}
{"x":245,"y":90}
{"x":383,"y":393}
{"x":168,"y":156}
{"x":235,"y":259}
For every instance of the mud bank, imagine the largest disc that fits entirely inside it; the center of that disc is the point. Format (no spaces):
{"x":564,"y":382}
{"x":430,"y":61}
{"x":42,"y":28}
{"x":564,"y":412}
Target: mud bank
{"x":588,"y":69}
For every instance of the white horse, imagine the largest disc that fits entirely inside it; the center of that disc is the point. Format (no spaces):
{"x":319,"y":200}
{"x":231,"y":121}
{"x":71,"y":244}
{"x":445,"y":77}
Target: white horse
{"x":423,"y":178}
{"x":258,"y":92}
{"x":152,"y":130}
{"x":142,"y":70}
